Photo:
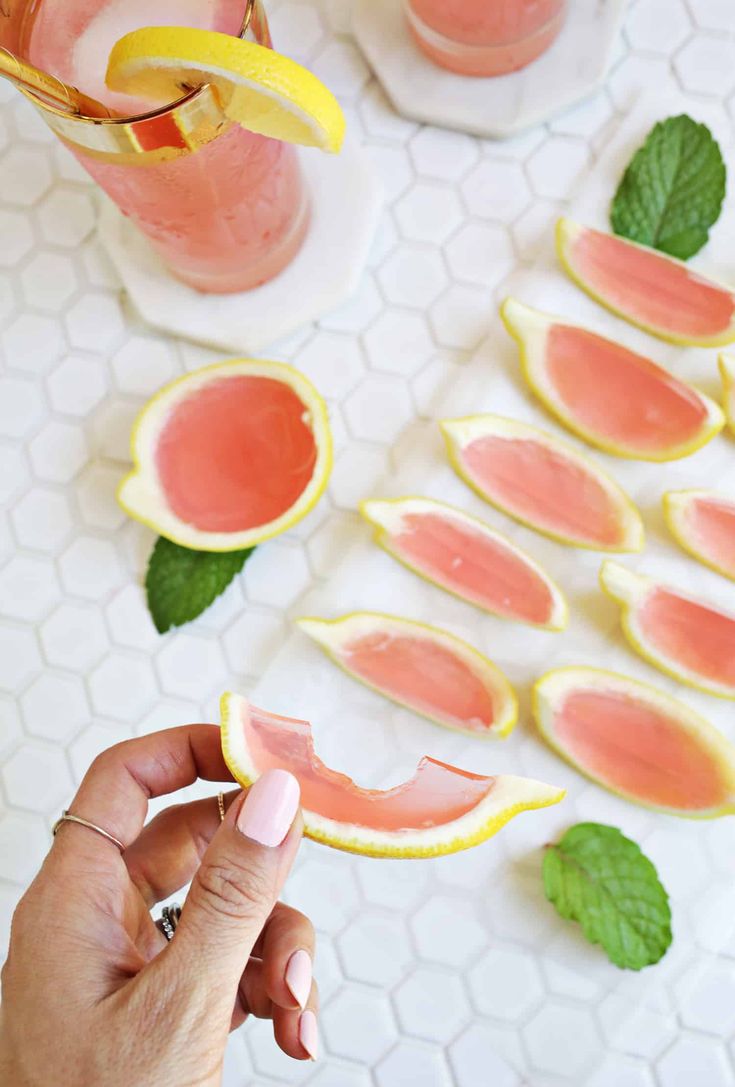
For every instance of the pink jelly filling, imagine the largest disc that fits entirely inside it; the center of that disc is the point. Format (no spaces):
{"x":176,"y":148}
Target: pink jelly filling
{"x":649,"y":288}
{"x":424,"y":675}
{"x":544,"y":488}
{"x":713,"y":524}
{"x":436,"y":795}
{"x":237,"y":454}
{"x":618,"y":394}
{"x":638,"y":749}
{"x":690,"y":634}
{"x":474,"y":566}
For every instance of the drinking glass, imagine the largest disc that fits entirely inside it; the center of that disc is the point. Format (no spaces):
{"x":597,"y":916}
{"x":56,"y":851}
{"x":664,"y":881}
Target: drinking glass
{"x":225,"y":208}
{"x":484,"y":37}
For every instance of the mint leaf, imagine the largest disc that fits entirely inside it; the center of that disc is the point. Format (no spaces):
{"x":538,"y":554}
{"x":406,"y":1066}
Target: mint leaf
{"x":181,"y":583}
{"x":597,"y":876}
{"x":672,"y":190}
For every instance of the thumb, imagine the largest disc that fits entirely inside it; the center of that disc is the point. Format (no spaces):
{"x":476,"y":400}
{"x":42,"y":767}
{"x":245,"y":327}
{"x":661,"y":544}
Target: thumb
{"x":236,"y":887}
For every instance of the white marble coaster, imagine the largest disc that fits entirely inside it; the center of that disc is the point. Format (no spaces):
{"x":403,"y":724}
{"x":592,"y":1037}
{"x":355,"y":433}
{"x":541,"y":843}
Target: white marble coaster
{"x":347,"y":199}
{"x":573,"y":67}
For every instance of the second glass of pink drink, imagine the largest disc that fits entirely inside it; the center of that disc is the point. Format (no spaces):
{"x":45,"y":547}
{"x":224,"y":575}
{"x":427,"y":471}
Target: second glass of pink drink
{"x":485,"y":37}
{"x":225,"y":208}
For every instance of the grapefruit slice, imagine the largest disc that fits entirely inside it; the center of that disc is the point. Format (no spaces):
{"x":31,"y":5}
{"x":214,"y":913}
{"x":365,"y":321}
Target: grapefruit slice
{"x":636,"y":741}
{"x":442,"y":809}
{"x":703,"y":523}
{"x":543,"y":482}
{"x":727,"y":373}
{"x":229,"y":456}
{"x":420,"y":667}
{"x":687,"y":638}
{"x":612,"y":397}
{"x":466,"y":557}
{"x":657,"y":293}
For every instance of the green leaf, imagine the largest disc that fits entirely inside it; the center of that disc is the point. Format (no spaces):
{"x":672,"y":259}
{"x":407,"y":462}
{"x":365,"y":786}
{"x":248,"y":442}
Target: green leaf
{"x":181,"y":583}
{"x":672,"y":190}
{"x":597,"y":876}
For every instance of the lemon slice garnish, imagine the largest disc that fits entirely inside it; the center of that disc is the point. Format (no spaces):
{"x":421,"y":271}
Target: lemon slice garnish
{"x":263,"y":91}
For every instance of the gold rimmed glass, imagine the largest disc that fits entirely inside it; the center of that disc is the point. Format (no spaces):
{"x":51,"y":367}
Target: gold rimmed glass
{"x":484,"y":37}
{"x":226,"y":209}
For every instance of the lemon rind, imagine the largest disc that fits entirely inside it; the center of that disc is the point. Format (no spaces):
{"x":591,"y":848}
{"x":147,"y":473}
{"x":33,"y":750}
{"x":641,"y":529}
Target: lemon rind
{"x":142,"y":496}
{"x":234,"y":66}
{"x":454,"y":430}
{"x":567,"y":230}
{"x":726,"y":365}
{"x":675,"y":504}
{"x":511,"y":796}
{"x":629,"y":591}
{"x":553,"y":684}
{"x":519,"y":319}
{"x":329,"y":634}
{"x":559,"y":617}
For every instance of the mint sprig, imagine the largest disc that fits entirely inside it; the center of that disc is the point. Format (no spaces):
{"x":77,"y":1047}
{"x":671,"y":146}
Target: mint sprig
{"x":181,"y":583}
{"x":672,"y":191}
{"x":597,"y":876}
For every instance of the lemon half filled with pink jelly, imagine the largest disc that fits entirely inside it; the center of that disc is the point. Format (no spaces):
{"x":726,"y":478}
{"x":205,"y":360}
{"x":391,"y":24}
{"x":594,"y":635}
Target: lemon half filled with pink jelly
{"x":229,"y":455}
{"x":441,"y":809}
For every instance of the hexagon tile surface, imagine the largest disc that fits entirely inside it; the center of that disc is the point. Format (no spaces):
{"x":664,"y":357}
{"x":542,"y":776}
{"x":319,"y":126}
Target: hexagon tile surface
{"x":452,"y":973}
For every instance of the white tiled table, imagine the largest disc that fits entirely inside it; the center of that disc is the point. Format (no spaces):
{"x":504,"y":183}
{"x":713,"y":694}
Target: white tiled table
{"x":80,"y":664}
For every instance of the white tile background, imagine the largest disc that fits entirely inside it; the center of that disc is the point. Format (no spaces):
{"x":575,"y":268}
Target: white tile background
{"x":81,"y":667}
{"x":575,"y":1010}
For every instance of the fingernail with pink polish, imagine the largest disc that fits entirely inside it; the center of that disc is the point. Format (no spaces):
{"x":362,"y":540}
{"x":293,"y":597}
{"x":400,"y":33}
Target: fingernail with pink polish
{"x":308,"y":1034}
{"x":269,"y":808}
{"x":298,"y":976}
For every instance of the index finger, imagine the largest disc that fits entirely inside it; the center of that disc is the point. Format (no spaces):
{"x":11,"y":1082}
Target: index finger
{"x":116,"y":789}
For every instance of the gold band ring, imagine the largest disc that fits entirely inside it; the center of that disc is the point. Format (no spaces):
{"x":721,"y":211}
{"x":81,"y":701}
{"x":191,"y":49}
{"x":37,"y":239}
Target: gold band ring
{"x":67,"y":817}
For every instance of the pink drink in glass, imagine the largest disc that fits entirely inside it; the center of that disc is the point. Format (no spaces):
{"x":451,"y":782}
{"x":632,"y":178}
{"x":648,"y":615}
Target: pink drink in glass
{"x":484,"y":37}
{"x":225,"y":216}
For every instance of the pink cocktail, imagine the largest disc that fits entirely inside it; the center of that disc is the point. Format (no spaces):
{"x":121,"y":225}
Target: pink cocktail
{"x":484,"y":37}
{"x":225,"y":208}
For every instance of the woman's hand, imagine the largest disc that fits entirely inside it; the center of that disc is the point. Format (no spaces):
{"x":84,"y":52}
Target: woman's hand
{"x":92,"y":994}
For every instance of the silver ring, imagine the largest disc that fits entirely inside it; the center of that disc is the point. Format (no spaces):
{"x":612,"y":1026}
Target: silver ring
{"x":169,"y":919}
{"x":67,"y":817}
